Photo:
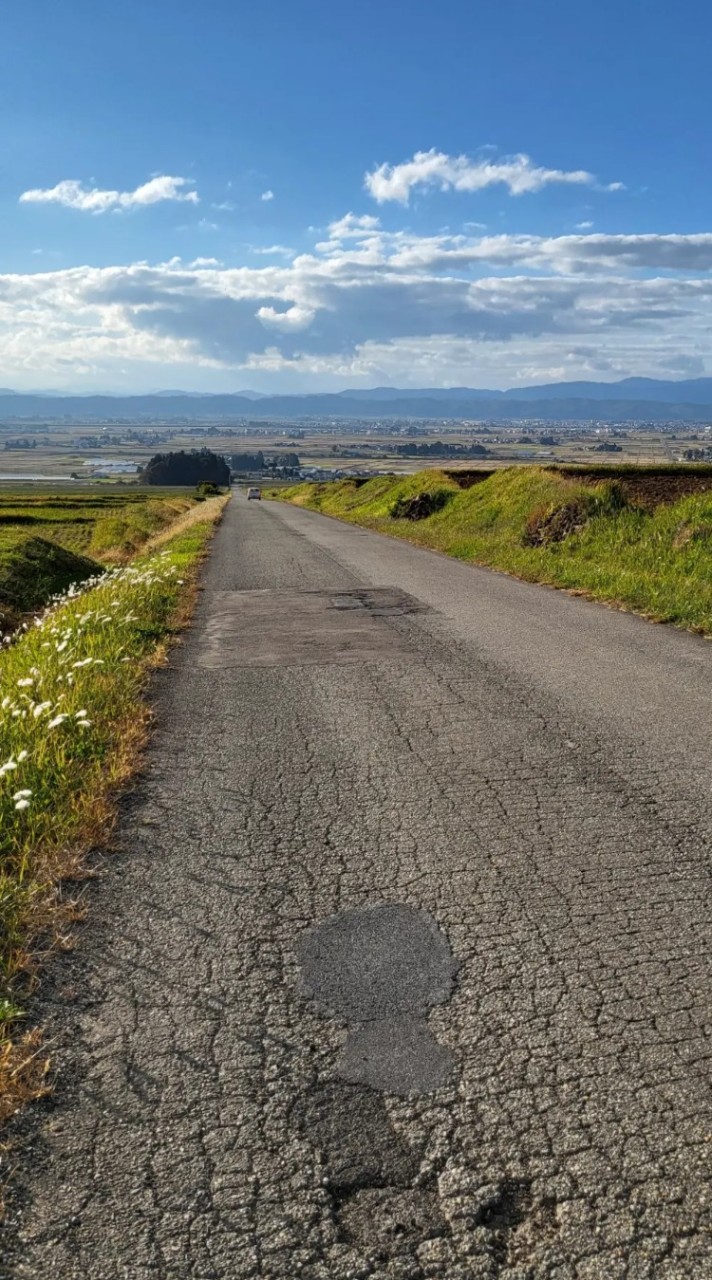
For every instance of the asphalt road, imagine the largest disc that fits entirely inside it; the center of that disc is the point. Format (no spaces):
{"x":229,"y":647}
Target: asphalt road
{"x":401,"y":967}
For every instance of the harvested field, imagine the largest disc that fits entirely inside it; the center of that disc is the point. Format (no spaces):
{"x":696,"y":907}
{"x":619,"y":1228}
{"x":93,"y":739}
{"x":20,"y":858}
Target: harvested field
{"x":647,"y":487}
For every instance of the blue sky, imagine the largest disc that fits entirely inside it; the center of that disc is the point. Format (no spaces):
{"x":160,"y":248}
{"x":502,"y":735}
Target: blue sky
{"x":311,"y":195}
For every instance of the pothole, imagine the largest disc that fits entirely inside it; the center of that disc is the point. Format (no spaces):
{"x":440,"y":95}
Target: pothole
{"x":520,"y":1224}
{"x":389,"y":1222}
{"x":507,"y":1207}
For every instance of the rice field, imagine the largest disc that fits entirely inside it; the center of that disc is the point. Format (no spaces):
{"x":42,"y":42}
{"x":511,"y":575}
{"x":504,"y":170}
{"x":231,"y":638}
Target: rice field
{"x":48,"y":541}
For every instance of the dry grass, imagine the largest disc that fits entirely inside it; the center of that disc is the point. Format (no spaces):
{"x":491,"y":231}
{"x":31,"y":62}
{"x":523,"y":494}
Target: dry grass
{"x":24,"y":1073}
{"x":210,"y":510}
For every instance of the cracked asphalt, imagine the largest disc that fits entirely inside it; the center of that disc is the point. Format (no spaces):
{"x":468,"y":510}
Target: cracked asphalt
{"x":532,"y":771}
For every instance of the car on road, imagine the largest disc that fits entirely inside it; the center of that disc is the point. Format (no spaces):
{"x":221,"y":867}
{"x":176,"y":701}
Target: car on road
{"x":254,"y":493}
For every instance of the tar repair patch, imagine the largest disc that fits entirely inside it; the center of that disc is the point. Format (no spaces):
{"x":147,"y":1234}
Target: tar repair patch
{"x":303,"y":628}
{"x":380,"y":970}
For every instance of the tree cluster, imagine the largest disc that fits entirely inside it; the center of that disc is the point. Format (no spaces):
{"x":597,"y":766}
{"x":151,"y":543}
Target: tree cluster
{"x":259,"y":462}
{"x":200,"y":466}
{"x":440,"y":450}
{"x":248,"y":461}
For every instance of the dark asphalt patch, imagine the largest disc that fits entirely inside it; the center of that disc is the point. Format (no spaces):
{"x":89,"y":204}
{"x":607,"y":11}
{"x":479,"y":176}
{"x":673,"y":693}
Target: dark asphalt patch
{"x":399,"y":1056}
{"x":303,"y":628}
{"x":351,"y":1128}
{"x":382,"y":968}
{"x":376,"y":962}
{"x":380,"y":602}
{"x":370,"y":1171}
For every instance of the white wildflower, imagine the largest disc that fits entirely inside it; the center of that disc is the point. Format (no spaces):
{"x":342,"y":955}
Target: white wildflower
{"x":25,"y":684}
{"x":22,"y":756}
{"x":22,"y":804}
{"x":22,"y":795}
{"x":60,"y":719}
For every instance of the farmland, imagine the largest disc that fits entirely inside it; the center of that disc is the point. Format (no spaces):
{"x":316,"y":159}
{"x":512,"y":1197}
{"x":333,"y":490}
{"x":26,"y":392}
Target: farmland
{"x":48,"y":540}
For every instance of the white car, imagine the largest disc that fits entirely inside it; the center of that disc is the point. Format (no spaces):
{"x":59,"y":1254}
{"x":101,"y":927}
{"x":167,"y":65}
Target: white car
{"x":254,"y":493}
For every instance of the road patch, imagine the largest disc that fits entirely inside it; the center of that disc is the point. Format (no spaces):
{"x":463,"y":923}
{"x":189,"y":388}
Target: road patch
{"x":272,"y":628}
{"x":380,"y":970}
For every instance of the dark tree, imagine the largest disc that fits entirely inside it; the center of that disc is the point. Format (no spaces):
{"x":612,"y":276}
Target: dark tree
{"x":440,"y":450}
{"x":200,"y":466}
{"x":248,"y":461}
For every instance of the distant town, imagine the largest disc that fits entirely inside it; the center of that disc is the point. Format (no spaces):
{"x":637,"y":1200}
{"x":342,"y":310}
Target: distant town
{"x":112,"y":438}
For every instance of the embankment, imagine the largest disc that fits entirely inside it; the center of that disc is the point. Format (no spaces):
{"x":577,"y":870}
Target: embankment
{"x":637,"y":538}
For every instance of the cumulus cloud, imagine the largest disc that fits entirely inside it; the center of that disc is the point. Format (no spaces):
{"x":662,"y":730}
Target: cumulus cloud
{"x":562,"y":255}
{"x":433,"y":168}
{"x":353,"y":225}
{"x":376,"y":304}
{"x":267,"y":195}
{"x":295,"y":317}
{"x":73,"y":195}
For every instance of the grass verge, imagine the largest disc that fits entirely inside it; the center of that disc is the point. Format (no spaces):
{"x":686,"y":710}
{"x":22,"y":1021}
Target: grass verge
{"x":547,"y":526}
{"x":72,"y":723}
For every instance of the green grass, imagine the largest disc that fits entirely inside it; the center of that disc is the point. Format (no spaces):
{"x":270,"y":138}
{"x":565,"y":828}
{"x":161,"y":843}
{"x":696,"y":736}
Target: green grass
{"x":658,"y":563}
{"x":40,"y":533}
{"x":71,"y":724}
{"x":33,"y":569}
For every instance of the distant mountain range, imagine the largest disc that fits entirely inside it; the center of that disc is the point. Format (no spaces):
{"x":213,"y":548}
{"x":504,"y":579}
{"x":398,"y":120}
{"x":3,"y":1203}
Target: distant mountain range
{"x":634,"y":398}
{"x":691,"y":391}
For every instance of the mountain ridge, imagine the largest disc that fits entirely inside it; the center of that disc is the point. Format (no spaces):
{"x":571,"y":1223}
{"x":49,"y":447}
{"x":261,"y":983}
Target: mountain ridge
{"x":632,"y":398}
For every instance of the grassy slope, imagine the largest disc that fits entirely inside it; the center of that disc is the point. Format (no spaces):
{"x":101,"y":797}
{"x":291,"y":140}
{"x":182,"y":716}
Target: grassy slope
{"x":71,"y":725}
{"x":656,"y":563}
{"x":95,"y":528}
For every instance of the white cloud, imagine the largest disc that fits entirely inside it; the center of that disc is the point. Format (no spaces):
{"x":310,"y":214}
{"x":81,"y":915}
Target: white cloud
{"x":584,"y":226}
{"x":352,"y":225}
{"x":562,"y":255}
{"x":267,"y":195}
{"x":375,"y":305}
{"x":281,"y":249}
{"x":462,"y":173}
{"x":73,"y":195}
{"x":295,"y":317}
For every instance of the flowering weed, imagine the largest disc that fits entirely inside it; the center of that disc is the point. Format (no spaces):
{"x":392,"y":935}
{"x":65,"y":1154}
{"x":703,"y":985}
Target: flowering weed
{"x":70,"y":726}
